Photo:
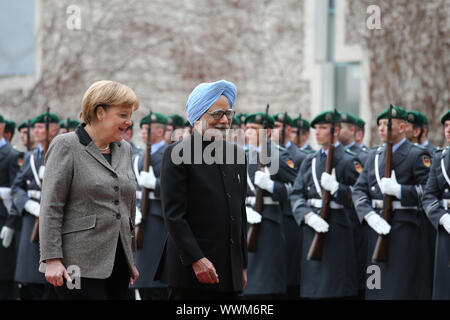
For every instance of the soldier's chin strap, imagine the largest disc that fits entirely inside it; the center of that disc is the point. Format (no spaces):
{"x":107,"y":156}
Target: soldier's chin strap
{"x":444,"y":172}
{"x":314,"y":175}
{"x":33,"y":169}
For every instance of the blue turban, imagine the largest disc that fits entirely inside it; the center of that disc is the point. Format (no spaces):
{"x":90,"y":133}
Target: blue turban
{"x":204,"y":96}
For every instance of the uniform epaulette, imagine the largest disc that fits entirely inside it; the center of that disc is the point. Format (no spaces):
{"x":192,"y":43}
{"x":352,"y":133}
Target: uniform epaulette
{"x":350,"y":152}
{"x":375,"y":147}
{"x":280,"y":147}
{"x":307,"y":151}
{"x":364,"y":149}
{"x":440,"y":149}
{"x":415,"y":144}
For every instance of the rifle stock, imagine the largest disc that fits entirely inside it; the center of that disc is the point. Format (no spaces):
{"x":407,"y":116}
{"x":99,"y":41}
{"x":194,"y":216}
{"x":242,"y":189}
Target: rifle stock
{"x":253,"y":231}
{"x":35,"y":232}
{"x":380,"y":254}
{"x":316,"y":248}
{"x":144,"y":199}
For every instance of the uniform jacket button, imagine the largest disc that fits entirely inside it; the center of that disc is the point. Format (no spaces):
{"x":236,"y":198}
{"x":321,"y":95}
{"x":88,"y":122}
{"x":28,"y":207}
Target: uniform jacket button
{"x":116,"y":202}
{"x":118,"y":216}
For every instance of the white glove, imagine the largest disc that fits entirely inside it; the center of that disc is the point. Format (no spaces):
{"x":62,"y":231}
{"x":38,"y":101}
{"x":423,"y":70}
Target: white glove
{"x":262,"y":180}
{"x":316,"y":222}
{"x":41,"y":172}
{"x":329,"y":182}
{"x":252,"y":215}
{"x":5,"y":195}
{"x":138,"y":218}
{"x":377,"y":223}
{"x":7,"y":235}
{"x":390,"y":186}
{"x":33,"y":207}
{"x":147,"y":179}
{"x":445,"y":222}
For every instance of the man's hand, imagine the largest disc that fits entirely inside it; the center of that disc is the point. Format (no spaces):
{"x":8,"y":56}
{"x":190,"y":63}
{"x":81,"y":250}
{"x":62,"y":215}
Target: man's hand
{"x":147,"y":179}
{"x":377,"y":223}
{"x":32,"y":207}
{"x":6,"y":234}
{"x":329,"y":182}
{"x":262,"y":180}
{"x":135,"y":276}
{"x":390,"y":186}
{"x":244,"y":278}
{"x":316,"y":222}
{"x":205,"y":271}
{"x":252,"y":215}
{"x":55,"y":271}
{"x":445,"y":222}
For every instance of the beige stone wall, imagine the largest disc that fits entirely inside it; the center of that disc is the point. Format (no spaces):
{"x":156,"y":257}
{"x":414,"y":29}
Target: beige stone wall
{"x":163,"y":49}
{"x":409,"y":57}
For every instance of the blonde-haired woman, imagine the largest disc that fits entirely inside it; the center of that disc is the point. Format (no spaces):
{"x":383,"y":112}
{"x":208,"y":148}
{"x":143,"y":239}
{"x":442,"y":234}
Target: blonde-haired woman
{"x":88,"y":201}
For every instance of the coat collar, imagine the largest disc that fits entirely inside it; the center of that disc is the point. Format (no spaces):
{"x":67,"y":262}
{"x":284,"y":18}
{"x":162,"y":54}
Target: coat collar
{"x":92,"y":149}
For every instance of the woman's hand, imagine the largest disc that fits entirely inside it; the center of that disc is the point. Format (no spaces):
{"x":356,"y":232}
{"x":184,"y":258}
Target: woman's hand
{"x":55,"y":271}
{"x":135,"y":276}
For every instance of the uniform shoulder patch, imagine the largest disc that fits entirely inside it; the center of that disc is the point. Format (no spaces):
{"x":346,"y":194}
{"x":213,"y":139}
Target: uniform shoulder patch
{"x":426,"y":161}
{"x":290,"y":163}
{"x":20,"y":161}
{"x":358,"y":166}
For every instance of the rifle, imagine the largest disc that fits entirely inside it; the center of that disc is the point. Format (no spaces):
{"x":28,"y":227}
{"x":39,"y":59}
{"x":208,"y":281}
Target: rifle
{"x":283,"y":131}
{"x":380,"y":254}
{"x":299,"y":128}
{"x":35,"y":232}
{"x":28,"y":135}
{"x":253,"y":231}
{"x":316,"y":249}
{"x":144,"y":199}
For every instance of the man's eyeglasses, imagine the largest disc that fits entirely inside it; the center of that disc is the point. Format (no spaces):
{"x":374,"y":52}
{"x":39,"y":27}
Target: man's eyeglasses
{"x":218,"y":114}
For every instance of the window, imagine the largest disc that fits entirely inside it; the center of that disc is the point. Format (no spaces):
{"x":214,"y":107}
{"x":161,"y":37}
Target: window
{"x":17,"y":37}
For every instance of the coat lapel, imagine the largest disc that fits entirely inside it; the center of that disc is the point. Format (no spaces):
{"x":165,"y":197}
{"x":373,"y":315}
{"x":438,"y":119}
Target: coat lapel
{"x":401,"y":154}
{"x":93,"y":151}
{"x":116,"y":155}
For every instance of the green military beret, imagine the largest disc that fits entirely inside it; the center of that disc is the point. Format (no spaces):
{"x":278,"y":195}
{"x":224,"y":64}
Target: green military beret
{"x":397,"y":113}
{"x":176,"y":120}
{"x":417,"y":118}
{"x":2,"y":120}
{"x":10,"y":125}
{"x":303,"y":125}
{"x":236,"y":120}
{"x":280,"y":117}
{"x":156,"y":118}
{"x":258,"y":118}
{"x":326,"y":117}
{"x":348,"y":117}
{"x":445,"y":117}
{"x":24,"y":124}
{"x":360,"y":122}
{"x":242,"y":117}
{"x":53,"y":118}
{"x":72,"y":123}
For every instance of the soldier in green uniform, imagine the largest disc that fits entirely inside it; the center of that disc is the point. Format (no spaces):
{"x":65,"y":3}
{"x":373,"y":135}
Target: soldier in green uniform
{"x":155,"y":232}
{"x":417,"y":130}
{"x":335,"y":275}
{"x":174,"y":128}
{"x":436,"y":202}
{"x":267,"y":267}
{"x":9,"y":166}
{"x":68,"y":125}
{"x":407,"y":273}
{"x":305,"y":127}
